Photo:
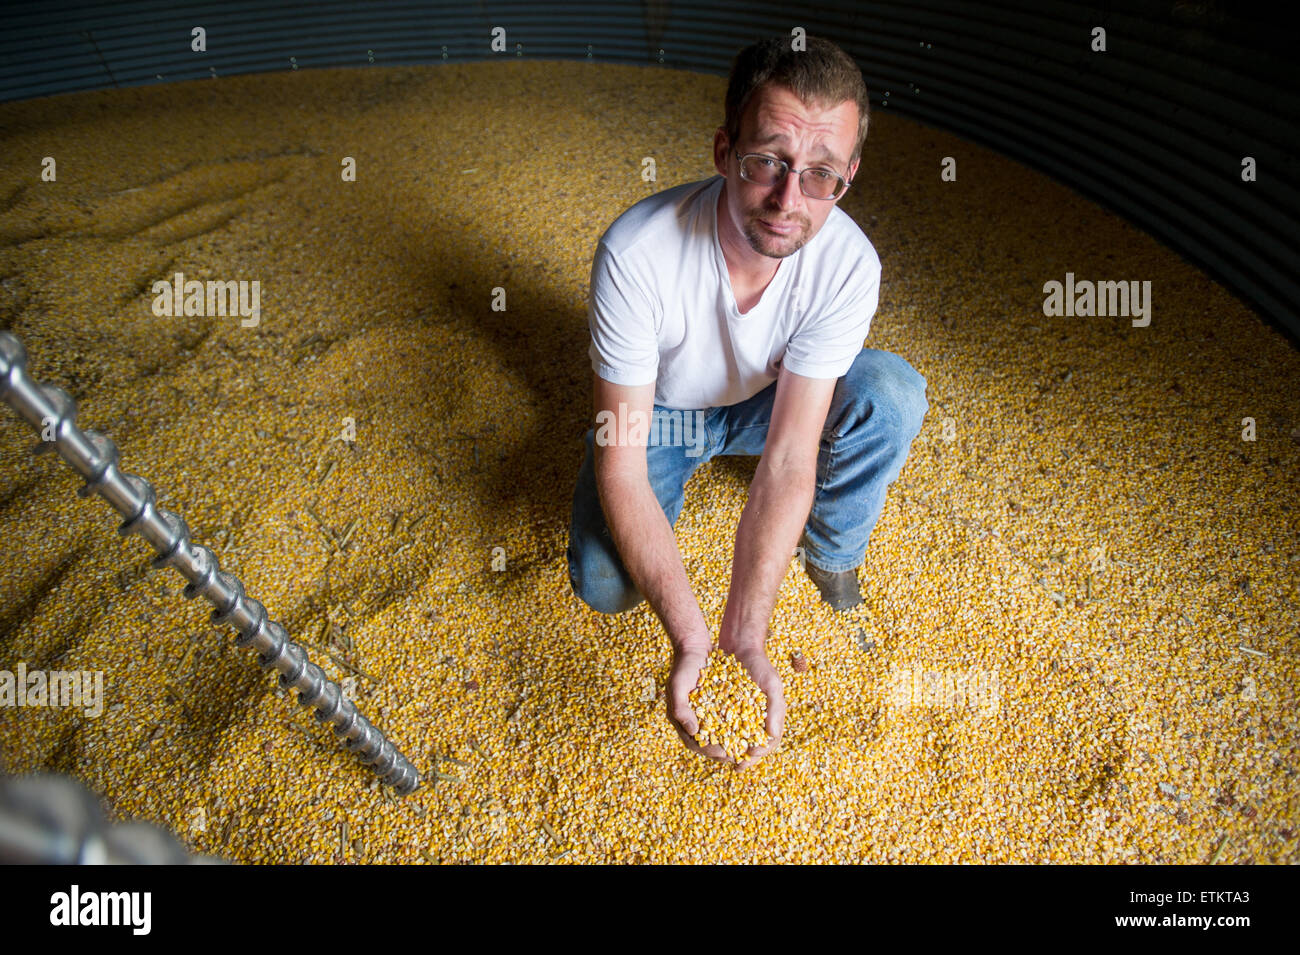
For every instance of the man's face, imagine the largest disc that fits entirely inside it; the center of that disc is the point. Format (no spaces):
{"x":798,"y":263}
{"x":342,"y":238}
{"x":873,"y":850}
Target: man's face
{"x":779,"y":220}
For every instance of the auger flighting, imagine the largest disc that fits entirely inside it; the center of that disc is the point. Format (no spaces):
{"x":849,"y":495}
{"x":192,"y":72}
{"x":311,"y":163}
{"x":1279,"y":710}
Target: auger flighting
{"x":52,"y":412}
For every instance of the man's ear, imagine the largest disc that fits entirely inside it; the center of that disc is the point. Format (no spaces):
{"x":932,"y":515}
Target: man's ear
{"x":720,"y":150}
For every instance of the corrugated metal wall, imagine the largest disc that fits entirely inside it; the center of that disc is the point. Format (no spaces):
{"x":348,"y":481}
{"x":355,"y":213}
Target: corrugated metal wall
{"x":1156,"y":127}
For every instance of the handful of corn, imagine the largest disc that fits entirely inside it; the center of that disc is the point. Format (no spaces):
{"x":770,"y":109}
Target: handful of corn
{"x":731,"y":708}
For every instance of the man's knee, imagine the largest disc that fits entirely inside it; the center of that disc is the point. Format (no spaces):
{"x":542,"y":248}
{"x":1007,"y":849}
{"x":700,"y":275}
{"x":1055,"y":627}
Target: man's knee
{"x":884,"y":387}
{"x":908,"y":389}
{"x":604,"y":589}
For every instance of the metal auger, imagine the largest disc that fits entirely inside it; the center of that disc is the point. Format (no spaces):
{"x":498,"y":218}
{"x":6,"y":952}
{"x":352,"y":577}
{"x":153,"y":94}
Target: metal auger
{"x":51,"y":412}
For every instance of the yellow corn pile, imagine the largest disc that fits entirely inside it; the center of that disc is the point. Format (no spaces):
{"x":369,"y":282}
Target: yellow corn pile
{"x":1078,"y":637}
{"x":731,"y":709}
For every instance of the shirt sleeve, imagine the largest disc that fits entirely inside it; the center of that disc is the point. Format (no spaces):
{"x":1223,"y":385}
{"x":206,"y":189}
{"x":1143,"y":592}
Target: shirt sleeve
{"x":826,"y":344}
{"x":624,"y":346}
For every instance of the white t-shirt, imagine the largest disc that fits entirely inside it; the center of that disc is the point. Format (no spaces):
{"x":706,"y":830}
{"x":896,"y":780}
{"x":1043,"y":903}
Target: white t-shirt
{"x":662,"y":309}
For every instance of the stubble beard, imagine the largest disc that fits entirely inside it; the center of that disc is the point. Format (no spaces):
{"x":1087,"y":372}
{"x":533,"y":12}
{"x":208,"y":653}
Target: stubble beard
{"x":773,"y":246}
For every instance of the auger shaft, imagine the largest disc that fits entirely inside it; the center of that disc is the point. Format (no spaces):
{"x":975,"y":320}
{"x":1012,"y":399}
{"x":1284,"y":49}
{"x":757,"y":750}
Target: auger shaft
{"x":51,"y":411}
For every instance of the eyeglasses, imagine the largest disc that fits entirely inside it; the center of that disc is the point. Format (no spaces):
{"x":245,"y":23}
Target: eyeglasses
{"x":815,"y":183}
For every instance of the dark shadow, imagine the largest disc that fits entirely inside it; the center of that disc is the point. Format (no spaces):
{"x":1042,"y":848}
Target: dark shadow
{"x":24,"y":607}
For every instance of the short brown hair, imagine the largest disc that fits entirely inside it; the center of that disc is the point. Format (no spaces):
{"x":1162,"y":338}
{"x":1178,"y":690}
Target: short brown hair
{"x":822,"y":76}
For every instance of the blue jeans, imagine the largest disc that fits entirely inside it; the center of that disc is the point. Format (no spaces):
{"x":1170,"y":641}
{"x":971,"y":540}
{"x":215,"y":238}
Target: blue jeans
{"x":874,"y":415}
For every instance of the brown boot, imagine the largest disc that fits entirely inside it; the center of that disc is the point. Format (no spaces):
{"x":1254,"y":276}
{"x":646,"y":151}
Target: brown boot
{"x":840,"y":590}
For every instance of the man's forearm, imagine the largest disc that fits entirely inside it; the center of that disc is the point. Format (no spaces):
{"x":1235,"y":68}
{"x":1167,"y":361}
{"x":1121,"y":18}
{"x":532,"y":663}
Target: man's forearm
{"x":648,"y":548}
{"x":774,"y":515}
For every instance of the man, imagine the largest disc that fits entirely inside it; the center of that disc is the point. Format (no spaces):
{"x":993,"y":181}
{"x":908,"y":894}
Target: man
{"x":742,"y":303}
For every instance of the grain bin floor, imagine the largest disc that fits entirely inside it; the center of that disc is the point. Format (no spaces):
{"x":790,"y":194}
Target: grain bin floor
{"x":1079,"y":641}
